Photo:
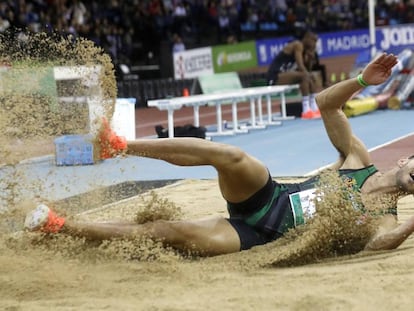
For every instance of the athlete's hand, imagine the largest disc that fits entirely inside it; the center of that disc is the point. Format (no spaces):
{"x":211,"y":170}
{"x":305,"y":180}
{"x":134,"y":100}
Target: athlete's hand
{"x":379,"y":70}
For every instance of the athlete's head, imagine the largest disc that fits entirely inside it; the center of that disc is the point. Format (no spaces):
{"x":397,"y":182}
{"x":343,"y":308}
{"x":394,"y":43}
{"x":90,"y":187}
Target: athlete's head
{"x":405,"y":174}
{"x":309,"y":40}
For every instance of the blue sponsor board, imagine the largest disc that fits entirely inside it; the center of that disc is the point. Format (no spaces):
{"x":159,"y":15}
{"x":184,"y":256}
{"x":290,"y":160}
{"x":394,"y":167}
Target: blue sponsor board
{"x":395,"y":39}
{"x":343,"y":43}
{"x":391,"y":39}
{"x":267,"y":49}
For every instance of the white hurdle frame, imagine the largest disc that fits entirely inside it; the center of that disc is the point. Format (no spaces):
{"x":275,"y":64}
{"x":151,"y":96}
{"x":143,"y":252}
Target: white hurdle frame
{"x":218,"y":99}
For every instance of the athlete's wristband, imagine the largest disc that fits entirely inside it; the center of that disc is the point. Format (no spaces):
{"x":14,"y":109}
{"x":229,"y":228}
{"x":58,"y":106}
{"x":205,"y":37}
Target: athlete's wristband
{"x":361,"y":81}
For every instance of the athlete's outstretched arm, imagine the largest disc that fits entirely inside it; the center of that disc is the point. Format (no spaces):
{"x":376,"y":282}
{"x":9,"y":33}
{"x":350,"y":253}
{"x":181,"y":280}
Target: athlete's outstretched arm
{"x":393,"y":238}
{"x":376,"y":72}
{"x":331,"y":100}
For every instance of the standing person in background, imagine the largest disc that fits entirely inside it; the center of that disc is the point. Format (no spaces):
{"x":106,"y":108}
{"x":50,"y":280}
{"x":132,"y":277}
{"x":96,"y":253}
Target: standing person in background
{"x":288,"y":67}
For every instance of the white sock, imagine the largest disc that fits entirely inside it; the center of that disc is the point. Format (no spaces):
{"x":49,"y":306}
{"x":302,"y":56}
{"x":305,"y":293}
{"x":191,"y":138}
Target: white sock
{"x":312,"y":102}
{"x":305,"y":104}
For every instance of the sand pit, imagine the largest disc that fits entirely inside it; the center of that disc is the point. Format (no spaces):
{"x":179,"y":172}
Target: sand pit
{"x":64,"y":274}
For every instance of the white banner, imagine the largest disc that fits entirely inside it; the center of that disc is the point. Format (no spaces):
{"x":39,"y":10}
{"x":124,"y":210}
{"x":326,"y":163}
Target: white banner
{"x":193,"y":63}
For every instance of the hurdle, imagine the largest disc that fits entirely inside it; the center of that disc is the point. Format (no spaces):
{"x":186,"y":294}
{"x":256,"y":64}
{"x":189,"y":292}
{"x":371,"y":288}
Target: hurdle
{"x":252,"y":94}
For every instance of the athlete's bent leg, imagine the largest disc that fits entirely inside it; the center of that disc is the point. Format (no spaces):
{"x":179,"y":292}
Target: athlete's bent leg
{"x":240,"y":175}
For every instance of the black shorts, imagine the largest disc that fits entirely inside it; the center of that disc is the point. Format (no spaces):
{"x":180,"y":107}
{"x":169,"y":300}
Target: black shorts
{"x":250,"y":235}
{"x":272,"y":80}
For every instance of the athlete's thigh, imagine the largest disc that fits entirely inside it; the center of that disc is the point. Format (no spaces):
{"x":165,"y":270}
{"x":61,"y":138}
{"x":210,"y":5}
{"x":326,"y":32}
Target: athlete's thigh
{"x":239,"y":181}
{"x":289,"y":77}
{"x":208,"y":236}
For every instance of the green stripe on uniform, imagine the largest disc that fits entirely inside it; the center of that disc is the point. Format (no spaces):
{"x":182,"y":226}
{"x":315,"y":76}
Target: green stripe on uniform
{"x":252,"y":220}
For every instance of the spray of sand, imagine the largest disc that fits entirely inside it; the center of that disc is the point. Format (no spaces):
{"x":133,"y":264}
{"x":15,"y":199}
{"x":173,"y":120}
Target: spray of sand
{"x":35,"y":108}
{"x":31,"y":107}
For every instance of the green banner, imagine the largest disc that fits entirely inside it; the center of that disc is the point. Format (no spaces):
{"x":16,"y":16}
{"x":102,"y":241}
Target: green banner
{"x":234,"y":57}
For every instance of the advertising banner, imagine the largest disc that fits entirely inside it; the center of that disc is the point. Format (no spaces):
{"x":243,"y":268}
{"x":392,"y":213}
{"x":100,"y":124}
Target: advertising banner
{"x":192,"y":63}
{"x":234,"y":57}
{"x":344,"y":43}
{"x":267,"y":49}
{"x":391,"y":39}
{"x":396,"y":38}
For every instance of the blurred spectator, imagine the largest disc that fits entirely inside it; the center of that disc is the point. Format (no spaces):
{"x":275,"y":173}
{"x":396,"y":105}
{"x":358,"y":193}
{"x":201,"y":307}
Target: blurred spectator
{"x":231,"y":39}
{"x":4,"y":24}
{"x":156,"y":11}
{"x":198,"y":13}
{"x":180,"y":18}
{"x":301,"y":11}
{"x":178,"y":44}
{"x":78,"y":13}
{"x":213,"y":17}
{"x":223,"y":24}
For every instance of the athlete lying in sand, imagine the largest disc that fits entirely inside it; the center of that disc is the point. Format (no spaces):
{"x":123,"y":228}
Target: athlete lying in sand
{"x":260,"y":209}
